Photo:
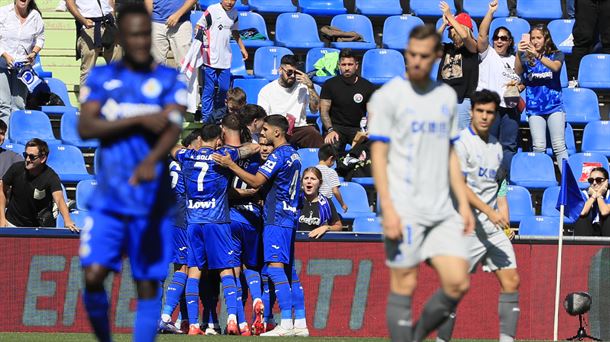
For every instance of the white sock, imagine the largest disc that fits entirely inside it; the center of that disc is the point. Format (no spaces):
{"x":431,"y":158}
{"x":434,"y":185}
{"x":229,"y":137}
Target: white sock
{"x":287,"y":324}
{"x":196,"y":325}
{"x":243,"y":325}
{"x":166,"y":318}
{"x":506,"y":338}
{"x":300,"y":323}
{"x":232,"y":317}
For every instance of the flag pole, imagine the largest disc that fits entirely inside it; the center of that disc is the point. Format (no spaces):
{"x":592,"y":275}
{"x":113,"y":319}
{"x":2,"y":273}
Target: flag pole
{"x":558,"y":273}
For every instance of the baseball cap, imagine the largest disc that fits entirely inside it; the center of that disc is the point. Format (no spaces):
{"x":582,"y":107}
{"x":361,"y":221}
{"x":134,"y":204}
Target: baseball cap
{"x":464,"y":19}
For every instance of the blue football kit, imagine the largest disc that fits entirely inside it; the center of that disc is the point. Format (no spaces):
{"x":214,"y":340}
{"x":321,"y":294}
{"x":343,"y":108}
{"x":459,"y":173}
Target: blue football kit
{"x":180,"y":238}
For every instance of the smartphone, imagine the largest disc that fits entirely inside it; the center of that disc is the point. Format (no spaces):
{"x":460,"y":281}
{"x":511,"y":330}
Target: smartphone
{"x":525,"y":37}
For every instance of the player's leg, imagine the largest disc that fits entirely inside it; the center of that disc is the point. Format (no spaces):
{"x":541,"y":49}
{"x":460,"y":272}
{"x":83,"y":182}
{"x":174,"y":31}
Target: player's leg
{"x":96,"y":300}
{"x":175,"y":290}
{"x":252,"y":259}
{"x":268,"y":298}
{"x":210,"y":291}
{"x":195,"y":262}
{"x":298,"y":303}
{"x":403,"y":282}
{"x":229,"y":288}
{"x":244,"y":329}
{"x":508,"y":303}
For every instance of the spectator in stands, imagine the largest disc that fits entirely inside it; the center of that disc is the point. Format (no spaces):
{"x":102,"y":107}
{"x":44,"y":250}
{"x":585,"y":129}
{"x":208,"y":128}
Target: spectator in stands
{"x":593,"y":219}
{"x":235,"y":101}
{"x":31,"y":187}
{"x":95,"y":33}
{"x":592,"y":25}
{"x":539,"y":64}
{"x":252,"y":116}
{"x":318,"y":214}
{"x":327,"y":156}
{"x":7,"y":157}
{"x":496,"y":72}
{"x":343,"y":102}
{"x":172,"y":29}
{"x":219,"y":23}
{"x":459,"y":66}
{"x":21,"y":39}
{"x":289,"y":96}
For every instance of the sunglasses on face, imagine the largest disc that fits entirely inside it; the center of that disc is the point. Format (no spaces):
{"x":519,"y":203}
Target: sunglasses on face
{"x":32,"y":157}
{"x":501,"y":38}
{"x":289,"y":73}
{"x":597,"y":180}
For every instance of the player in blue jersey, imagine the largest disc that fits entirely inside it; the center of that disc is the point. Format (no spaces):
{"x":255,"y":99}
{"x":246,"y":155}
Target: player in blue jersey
{"x":175,"y":290}
{"x":208,"y":216}
{"x":135,"y":108}
{"x":281,"y":171}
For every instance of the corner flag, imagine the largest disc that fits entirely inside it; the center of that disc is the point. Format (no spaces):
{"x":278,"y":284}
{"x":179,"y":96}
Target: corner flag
{"x":569,"y":195}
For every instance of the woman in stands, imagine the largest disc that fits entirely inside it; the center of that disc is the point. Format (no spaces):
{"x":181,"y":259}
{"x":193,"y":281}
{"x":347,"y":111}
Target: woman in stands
{"x":496,"y":73}
{"x":318,"y":214}
{"x":21,"y":39}
{"x":593,"y":219}
{"x":539,"y":65}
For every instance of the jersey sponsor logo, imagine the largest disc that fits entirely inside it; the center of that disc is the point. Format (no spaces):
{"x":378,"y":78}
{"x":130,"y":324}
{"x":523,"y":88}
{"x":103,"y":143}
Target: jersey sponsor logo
{"x":429,"y":127}
{"x":540,"y":75}
{"x":269,"y":166}
{"x":288,"y":207}
{"x":113,"y":110}
{"x":151,"y":88}
{"x":358,"y":98}
{"x":202,"y":204}
{"x":487,"y":173}
{"x":112,"y":84}
{"x":311,"y":221}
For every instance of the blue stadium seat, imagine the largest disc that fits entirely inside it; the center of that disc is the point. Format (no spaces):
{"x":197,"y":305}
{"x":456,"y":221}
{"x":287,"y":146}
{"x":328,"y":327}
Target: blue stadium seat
{"x":39,"y":69}
{"x":594,"y":71}
{"x":396,"y":30}
{"x":251,"y":87}
{"x":381,"y":65}
{"x":238,"y":65}
{"x":297,"y":31}
{"x":478,"y":8}
{"x":249,"y":20}
{"x":58,"y":87}
{"x":322,"y":7}
{"x":17,"y":148}
{"x":195,"y":16}
{"x":563,"y":76}
{"x":596,"y":137}
{"x":549,"y":201}
{"x":84,"y":190}
{"x":364,"y":181}
{"x":354,"y":196}
{"x":434,"y":72}
{"x":313,"y":55}
{"x":309,"y":157}
{"x":272,"y":6}
{"x":78,"y":217}
{"x":532,"y":170}
{"x":68,"y":162}
{"x":378,"y":7}
{"x":446,"y":39}
{"x":516,"y":26}
{"x":367,"y":225}
{"x":69,"y":131}
{"x":539,"y":226}
{"x":267,"y":61}
{"x":581,"y":105}
{"x":582,"y":163}
{"x":357,"y":23}
{"x":560,"y":30}
{"x":238,"y":4}
{"x":27,"y":124}
{"x":428,"y":8}
{"x":519,"y":203}
{"x":539,"y":9}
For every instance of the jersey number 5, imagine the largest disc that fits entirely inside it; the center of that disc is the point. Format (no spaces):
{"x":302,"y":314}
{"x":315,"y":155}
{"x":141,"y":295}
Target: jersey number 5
{"x":204,"y":168}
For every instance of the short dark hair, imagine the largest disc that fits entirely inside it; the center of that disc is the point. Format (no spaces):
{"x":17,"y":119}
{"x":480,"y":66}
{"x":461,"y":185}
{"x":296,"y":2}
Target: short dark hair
{"x":251,"y":112}
{"x":236,"y":95}
{"x":43,"y":147}
{"x":278,"y":121}
{"x":599,"y":169}
{"x":3,"y":126}
{"x":233,"y":122}
{"x":422,"y":32}
{"x":289,"y":60}
{"x":484,"y":96}
{"x":326,"y":151}
{"x":191,"y":137}
{"x":347,"y":53}
{"x":131,"y":9}
{"x":210,"y":132}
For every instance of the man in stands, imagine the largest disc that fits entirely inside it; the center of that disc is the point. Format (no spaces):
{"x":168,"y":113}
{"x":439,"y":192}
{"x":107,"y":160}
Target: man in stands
{"x":289,"y":96}
{"x":93,"y":19}
{"x":31,"y":188}
{"x":7,"y":157}
{"x":343,"y":102}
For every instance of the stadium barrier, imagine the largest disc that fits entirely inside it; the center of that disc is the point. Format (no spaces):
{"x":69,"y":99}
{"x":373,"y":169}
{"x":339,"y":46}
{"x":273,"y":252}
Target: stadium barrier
{"x":343,"y":276}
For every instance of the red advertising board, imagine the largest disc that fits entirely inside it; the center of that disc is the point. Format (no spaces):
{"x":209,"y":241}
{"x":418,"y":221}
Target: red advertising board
{"x":345,"y":283}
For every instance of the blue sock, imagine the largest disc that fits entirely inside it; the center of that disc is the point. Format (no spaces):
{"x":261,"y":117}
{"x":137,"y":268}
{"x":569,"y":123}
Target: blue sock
{"x":192,"y":299}
{"x":229,"y":289}
{"x":96,"y":304}
{"x":253,"y":278}
{"x":175,"y":289}
{"x":283,"y":293}
{"x":147,"y":313}
{"x":298,"y":297}
{"x":268,"y":297}
{"x":241,"y":315}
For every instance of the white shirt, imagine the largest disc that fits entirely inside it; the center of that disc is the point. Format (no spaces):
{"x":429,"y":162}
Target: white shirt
{"x":276,"y":99}
{"x":19,"y":39}
{"x":330,"y":179}
{"x":91,"y":9}
{"x":495,"y":72}
{"x":418,"y":126}
{"x":217,"y":51}
{"x":480,"y":162}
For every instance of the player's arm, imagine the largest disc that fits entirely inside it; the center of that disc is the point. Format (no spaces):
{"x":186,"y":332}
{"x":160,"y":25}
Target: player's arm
{"x":248,"y":149}
{"x":225,"y":160}
{"x":494,"y":216}
{"x":174,"y":151}
{"x":58,"y":198}
{"x":460,"y":190}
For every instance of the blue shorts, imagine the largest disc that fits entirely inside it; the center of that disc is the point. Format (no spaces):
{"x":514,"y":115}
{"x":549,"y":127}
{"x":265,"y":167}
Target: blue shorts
{"x":248,"y":240}
{"x":278,"y":244}
{"x":220,"y":248}
{"x":181,"y":241}
{"x":196,"y":247}
{"x":106,"y":237}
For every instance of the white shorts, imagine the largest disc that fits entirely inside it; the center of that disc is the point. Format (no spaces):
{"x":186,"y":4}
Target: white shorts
{"x":494,"y":252}
{"x":421,"y":243}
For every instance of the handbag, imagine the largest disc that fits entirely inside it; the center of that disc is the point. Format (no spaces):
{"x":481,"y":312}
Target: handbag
{"x":512,"y":96}
{"x":110,"y":29}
